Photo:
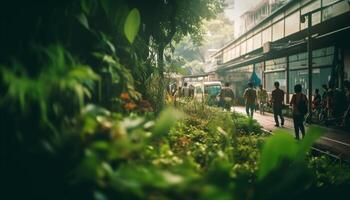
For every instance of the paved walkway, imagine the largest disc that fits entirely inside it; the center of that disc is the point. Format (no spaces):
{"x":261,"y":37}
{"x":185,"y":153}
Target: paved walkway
{"x":335,"y":141}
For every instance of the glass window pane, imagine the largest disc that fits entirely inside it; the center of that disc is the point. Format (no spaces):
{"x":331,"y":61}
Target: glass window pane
{"x":275,"y":76}
{"x":266,"y":35}
{"x":334,"y":10}
{"x":243,"y":48}
{"x":225,"y":56}
{"x":249,"y":45}
{"x":257,"y":41}
{"x":230,"y":54}
{"x":310,"y":7}
{"x":298,"y":77}
{"x":322,"y":61}
{"x":292,"y":23}
{"x":276,"y":64}
{"x":278,"y":30}
{"x":237,"y":50}
{"x":320,"y":76}
{"x":316,"y":17}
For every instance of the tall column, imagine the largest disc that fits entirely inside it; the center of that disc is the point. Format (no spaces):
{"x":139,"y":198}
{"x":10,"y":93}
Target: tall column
{"x":309,"y":52}
{"x":287,"y":79}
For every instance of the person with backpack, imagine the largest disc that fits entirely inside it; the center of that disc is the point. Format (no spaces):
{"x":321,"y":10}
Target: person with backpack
{"x":226,"y":97}
{"x":277,"y":100}
{"x":300,"y":108}
{"x":262,"y":97}
{"x":250,"y":99}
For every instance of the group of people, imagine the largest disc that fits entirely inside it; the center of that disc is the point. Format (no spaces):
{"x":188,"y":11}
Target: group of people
{"x":186,"y":90}
{"x":252,"y":97}
{"x":298,"y":104}
{"x":334,"y":103}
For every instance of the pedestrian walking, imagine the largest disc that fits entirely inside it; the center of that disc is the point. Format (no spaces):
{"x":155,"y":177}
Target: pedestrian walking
{"x":277,"y":101}
{"x":226,"y":97}
{"x":300,"y":108}
{"x":185,"y":90}
{"x":250,"y":99}
{"x":262,"y":98}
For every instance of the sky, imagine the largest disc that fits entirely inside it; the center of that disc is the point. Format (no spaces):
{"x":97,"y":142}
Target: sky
{"x":240,"y":6}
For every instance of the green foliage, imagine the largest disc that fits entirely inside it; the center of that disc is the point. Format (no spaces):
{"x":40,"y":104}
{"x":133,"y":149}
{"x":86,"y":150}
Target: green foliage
{"x":61,"y":74}
{"x":272,"y":157}
{"x":166,"y":120}
{"x":59,"y":140}
{"x":246,"y":125}
{"x":132,"y":25}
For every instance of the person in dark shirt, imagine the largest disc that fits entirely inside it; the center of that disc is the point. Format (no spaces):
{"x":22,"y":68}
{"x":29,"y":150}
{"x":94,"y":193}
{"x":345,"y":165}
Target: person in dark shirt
{"x":277,"y":100}
{"x":298,"y":110}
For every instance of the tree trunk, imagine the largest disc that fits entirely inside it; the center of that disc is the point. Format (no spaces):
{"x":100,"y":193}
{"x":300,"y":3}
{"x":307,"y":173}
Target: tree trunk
{"x":161,"y":91}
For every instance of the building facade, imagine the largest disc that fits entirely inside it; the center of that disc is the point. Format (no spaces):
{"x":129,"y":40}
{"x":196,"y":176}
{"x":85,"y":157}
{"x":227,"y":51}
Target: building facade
{"x":259,"y":12}
{"x":276,"y":48}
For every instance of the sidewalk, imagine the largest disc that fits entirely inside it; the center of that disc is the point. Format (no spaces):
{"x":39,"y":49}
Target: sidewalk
{"x":335,"y":141}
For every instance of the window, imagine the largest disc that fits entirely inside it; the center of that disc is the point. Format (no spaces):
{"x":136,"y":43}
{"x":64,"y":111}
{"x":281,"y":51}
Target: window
{"x":272,"y":77}
{"x":230,"y":53}
{"x":266,"y":35}
{"x":257,"y":41}
{"x":320,"y":76}
{"x":278,"y":30}
{"x":212,"y":90}
{"x":238,"y":51}
{"x":298,"y":61}
{"x":316,"y":17}
{"x":249,"y":45}
{"x":335,"y":10}
{"x":321,"y":57}
{"x":243,"y":48}
{"x":292,"y":23}
{"x":276,"y":64}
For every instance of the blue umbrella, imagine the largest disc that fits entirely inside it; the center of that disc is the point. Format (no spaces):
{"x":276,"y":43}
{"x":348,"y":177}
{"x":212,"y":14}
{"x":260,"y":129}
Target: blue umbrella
{"x":255,"y":79}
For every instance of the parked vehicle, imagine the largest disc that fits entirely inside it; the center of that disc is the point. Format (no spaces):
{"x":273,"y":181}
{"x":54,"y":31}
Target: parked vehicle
{"x":208,"y":92}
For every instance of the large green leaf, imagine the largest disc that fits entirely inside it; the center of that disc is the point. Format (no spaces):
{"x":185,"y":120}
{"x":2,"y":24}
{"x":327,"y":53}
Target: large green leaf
{"x":282,"y":146}
{"x":83,"y":20}
{"x":278,"y":147}
{"x":166,"y":120}
{"x":313,"y":133}
{"x":132,"y":25}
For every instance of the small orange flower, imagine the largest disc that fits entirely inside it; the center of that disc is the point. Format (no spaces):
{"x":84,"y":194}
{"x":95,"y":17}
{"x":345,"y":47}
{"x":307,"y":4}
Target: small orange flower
{"x":184,"y":141}
{"x":124,"y":96}
{"x":129,"y":106}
